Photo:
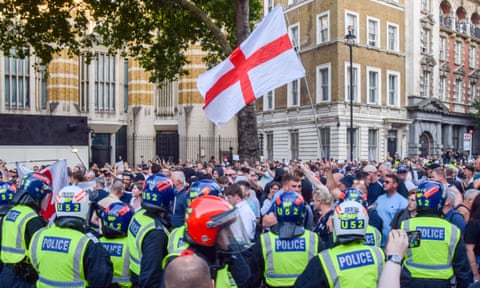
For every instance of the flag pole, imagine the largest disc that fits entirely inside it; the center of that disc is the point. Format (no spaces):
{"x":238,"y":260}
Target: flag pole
{"x":315,"y":120}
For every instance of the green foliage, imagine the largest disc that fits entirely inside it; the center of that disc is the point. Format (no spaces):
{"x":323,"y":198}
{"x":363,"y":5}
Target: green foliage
{"x":156,"y":32}
{"x":476,"y":115}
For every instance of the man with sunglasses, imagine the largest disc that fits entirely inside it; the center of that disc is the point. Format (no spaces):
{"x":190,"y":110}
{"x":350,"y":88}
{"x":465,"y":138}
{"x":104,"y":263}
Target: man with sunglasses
{"x":389,"y":204}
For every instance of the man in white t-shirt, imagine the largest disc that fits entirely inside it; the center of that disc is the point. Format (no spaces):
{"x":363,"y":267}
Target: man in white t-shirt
{"x":236,"y":197}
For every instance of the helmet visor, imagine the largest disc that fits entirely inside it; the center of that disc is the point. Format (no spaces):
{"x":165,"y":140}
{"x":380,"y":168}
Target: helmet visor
{"x":233,"y":236}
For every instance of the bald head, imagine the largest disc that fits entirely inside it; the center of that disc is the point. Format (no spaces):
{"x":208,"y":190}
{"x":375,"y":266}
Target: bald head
{"x":188,"y":271}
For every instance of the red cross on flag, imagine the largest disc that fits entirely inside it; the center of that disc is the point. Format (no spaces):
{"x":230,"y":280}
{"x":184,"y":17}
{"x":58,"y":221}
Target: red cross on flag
{"x":264,"y":61}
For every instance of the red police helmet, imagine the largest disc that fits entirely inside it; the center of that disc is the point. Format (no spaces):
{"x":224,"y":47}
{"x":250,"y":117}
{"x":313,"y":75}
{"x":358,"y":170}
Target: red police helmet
{"x":212,"y":221}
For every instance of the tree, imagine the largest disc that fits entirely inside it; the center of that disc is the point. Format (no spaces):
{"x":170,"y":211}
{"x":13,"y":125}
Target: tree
{"x":155,"y":32}
{"x":476,"y":115}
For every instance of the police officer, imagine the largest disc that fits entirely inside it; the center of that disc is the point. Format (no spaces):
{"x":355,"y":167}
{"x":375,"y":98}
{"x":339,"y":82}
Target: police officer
{"x":215,"y":232}
{"x":176,"y":240}
{"x":288,"y":247}
{"x":18,"y":227}
{"x":63,"y":254}
{"x":148,"y":232}
{"x":6,"y":195}
{"x":115,"y":219}
{"x":441,"y":253}
{"x":373,"y":236}
{"x":349,"y":263}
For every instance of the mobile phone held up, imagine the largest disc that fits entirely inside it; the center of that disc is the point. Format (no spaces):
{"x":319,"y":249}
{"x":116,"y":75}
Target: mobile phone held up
{"x":413,"y":238}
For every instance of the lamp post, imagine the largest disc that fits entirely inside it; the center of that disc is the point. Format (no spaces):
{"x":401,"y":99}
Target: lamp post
{"x":350,"y":41}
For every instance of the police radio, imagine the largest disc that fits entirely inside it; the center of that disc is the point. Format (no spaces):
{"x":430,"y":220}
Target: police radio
{"x":413,"y":238}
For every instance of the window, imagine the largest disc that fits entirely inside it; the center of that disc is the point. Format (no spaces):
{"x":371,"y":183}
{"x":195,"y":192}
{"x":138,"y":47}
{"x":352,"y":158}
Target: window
{"x":374,"y":83}
{"x":323,"y":83}
{"x":294,"y":144}
{"x":425,"y":82}
{"x":268,"y":5}
{"x":456,"y":137}
{"x":457,"y":90}
{"x":323,"y":33}
{"x":356,"y":83}
{"x":125,"y":85}
{"x":351,"y":19}
{"x":325,"y":142}
{"x":294,"y":93}
{"x":294,"y":32}
{"x":373,"y":32}
{"x":458,"y":53}
{"x":269,"y":145}
{"x":392,"y":37}
{"x":269,"y":101}
{"x":472,"y":56}
{"x":43,"y":86}
{"x":17,"y":81}
{"x":104,"y":83}
{"x":372,"y":144}
{"x":442,"y":88}
{"x":354,"y":143}
{"x":425,"y":42}
{"x":393,"y":88}
{"x":84,"y":92}
{"x":472,"y":91}
{"x":443,"y":48}
{"x":426,"y":5}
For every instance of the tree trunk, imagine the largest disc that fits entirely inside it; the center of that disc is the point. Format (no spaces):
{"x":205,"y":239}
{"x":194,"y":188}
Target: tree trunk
{"x":247,"y":119}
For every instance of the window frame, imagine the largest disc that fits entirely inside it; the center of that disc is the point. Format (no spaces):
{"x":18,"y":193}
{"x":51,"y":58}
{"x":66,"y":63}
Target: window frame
{"x":358,"y":83}
{"x":379,"y":85}
{"x":320,"y":97}
{"x":295,"y":38}
{"x":373,"y":155}
{"x":320,"y":28}
{"x":266,"y":98}
{"x":395,"y":74}
{"x":376,"y":32}
{"x":355,"y":24}
{"x":396,"y":37}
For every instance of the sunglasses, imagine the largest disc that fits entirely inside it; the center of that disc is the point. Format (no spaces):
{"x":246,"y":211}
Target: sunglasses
{"x":387,"y":182}
{"x":228,"y":175}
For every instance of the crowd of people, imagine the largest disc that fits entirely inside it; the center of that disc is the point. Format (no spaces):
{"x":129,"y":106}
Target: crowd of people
{"x":399,"y":223}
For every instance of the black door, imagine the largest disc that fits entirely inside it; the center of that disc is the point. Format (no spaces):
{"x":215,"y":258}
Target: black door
{"x":121,"y":144}
{"x":392,"y":142}
{"x":167,"y":146}
{"x":101,"y":149}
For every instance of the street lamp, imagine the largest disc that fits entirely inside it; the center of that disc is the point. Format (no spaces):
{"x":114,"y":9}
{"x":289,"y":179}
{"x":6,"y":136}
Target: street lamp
{"x":350,"y":41}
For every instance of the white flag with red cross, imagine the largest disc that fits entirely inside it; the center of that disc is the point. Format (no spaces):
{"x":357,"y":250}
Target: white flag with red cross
{"x":264,"y":61}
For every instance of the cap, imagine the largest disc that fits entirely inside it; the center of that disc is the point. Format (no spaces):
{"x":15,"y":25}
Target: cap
{"x":370,"y":168}
{"x":138,"y":177}
{"x":433,"y":166}
{"x":348,"y":168}
{"x":348,"y":180}
{"x":402,"y":169}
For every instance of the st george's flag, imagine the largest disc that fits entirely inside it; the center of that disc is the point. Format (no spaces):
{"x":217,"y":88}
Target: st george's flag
{"x":265,"y":61}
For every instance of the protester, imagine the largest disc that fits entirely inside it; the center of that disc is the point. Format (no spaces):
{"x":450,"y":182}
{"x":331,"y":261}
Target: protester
{"x":188,"y":271}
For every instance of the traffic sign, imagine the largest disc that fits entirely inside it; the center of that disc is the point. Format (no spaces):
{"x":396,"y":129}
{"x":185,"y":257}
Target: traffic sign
{"x":467,"y":141}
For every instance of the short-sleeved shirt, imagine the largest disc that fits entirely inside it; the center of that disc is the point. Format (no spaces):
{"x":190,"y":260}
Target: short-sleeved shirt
{"x":472,"y":235}
{"x":322,"y":230}
{"x":387,"y":207}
